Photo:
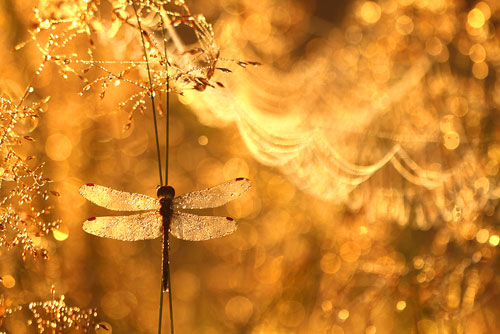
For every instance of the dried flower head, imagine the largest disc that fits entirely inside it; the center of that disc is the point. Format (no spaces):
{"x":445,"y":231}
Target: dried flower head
{"x":56,"y":24}
{"x":160,"y":46}
{"x":56,"y":316}
{"x":24,"y":188}
{"x":52,"y":316}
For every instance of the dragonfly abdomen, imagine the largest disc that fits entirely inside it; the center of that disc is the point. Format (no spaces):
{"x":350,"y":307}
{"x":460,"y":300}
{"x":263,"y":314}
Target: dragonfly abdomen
{"x":166,"y":195}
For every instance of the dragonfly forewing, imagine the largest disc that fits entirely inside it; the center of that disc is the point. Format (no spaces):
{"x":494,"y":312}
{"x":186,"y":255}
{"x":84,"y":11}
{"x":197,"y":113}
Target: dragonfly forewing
{"x":213,"y":197}
{"x":142,"y":226}
{"x":118,"y":200}
{"x":195,"y":228}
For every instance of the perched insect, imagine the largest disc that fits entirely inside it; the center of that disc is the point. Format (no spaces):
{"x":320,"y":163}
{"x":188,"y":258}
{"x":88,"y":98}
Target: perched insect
{"x":162,"y":216}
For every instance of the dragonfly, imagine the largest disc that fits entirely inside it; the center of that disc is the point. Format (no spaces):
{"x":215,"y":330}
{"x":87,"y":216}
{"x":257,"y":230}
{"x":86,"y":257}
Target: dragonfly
{"x":162,"y":215}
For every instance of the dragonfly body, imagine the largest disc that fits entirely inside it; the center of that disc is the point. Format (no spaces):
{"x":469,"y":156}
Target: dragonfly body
{"x":162,"y":216}
{"x":166,"y":195}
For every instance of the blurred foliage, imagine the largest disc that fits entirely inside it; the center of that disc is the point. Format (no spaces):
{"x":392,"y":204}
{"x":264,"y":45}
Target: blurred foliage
{"x":370,"y":136}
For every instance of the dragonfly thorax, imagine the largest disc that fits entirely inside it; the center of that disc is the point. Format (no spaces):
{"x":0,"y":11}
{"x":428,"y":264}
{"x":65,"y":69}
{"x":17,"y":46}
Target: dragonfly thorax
{"x":165,"y":192}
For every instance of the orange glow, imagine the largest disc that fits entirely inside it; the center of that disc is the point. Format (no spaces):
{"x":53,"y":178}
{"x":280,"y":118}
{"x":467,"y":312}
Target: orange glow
{"x":368,"y":128}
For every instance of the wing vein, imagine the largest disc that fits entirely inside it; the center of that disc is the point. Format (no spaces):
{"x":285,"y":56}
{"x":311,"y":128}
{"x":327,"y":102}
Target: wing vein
{"x":213,"y":197}
{"x":192,"y":227}
{"x":142,"y":226}
{"x":118,"y":200}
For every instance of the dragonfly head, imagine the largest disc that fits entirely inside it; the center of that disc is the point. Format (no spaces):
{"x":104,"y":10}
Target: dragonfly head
{"x":165,"y":192}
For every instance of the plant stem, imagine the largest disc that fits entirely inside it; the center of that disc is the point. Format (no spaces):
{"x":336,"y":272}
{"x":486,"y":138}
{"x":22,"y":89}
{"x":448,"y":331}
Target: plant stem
{"x":160,"y":316}
{"x":167,"y":127}
{"x":159,"y":167}
{"x":151,"y":93}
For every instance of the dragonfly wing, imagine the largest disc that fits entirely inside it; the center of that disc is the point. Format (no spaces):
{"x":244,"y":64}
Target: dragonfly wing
{"x":195,"y":228}
{"x":214,"y":196}
{"x":147,"y":225}
{"x":118,"y":200}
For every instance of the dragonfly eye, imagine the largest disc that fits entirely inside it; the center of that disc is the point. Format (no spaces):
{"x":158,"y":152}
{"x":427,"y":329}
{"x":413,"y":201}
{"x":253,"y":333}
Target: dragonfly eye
{"x":166,"y":191}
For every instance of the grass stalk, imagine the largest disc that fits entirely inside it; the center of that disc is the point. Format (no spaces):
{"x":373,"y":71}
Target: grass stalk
{"x":151,"y":92}
{"x":167,"y":127}
{"x":160,"y":316}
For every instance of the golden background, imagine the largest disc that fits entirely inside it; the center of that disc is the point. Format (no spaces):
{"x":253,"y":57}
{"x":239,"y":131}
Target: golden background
{"x":369,"y":132}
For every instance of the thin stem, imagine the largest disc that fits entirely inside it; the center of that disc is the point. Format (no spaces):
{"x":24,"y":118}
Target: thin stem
{"x":151,"y":93}
{"x":27,"y":90}
{"x":159,"y":171}
{"x":167,"y":99}
{"x":160,"y":316}
{"x":170,"y":295}
{"x":167,"y":127}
